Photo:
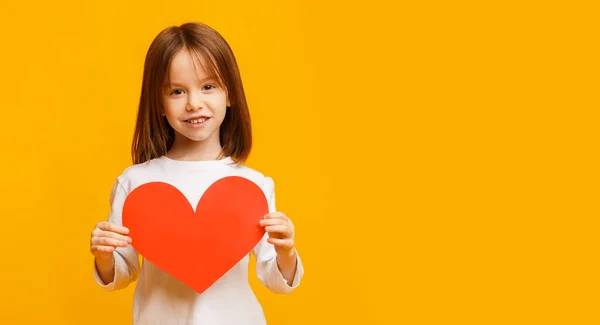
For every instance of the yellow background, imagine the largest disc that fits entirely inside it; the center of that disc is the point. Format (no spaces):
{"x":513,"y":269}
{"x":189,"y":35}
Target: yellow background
{"x":440,"y":159}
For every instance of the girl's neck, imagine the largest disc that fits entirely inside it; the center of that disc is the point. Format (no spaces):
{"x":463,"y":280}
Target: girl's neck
{"x":189,"y":150}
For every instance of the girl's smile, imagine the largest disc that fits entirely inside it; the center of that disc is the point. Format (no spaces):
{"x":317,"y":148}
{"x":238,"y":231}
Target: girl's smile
{"x":197,"y":122}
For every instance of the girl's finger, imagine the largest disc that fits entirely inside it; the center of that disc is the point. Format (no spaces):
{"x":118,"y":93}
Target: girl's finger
{"x":272,"y":222}
{"x":282,"y":229}
{"x":102,"y":249}
{"x":116,"y":236}
{"x":107,"y":226}
{"x":105,"y":241}
{"x":102,"y":233}
{"x":276,"y":215}
{"x":284,"y":243}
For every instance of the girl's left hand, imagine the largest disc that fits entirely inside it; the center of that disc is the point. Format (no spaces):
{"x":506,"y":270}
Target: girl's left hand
{"x":281,"y":232}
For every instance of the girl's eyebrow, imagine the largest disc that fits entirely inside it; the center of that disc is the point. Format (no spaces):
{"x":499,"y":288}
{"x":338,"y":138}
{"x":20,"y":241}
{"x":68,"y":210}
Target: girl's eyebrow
{"x":176,"y":84}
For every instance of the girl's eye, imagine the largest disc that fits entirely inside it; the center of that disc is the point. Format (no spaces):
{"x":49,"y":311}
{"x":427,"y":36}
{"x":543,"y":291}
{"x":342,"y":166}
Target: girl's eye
{"x":177,"y":92}
{"x":210,"y":87}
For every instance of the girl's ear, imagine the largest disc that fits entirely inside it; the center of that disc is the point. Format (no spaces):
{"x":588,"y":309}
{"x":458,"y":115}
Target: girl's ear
{"x":228,"y":103}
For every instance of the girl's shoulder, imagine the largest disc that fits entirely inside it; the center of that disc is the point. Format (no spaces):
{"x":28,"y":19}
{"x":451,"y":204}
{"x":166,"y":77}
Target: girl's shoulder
{"x":141,"y":170}
{"x":263,"y":181}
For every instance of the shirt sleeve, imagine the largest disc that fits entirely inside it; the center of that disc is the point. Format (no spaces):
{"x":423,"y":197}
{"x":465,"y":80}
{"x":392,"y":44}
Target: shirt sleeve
{"x":267,"y":269}
{"x":127,"y":264}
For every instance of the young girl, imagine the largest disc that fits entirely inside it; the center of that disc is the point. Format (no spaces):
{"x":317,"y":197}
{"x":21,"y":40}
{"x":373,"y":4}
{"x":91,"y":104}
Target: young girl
{"x":193,"y":128}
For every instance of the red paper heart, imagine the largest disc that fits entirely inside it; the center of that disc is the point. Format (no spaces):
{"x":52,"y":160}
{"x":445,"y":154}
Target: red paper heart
{"x":196,"y":247}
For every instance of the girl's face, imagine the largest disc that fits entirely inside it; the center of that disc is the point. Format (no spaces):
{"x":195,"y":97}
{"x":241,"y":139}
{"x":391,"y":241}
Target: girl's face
{"x":194,"y":104}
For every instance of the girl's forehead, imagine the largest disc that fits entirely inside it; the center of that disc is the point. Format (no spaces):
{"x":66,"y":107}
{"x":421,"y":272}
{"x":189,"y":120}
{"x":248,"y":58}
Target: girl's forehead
{"x":185,"y":63}
{"x":189,"y":66}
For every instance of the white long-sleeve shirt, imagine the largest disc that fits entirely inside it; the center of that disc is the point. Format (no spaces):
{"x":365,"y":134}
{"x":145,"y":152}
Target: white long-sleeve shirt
{"x":161,"y":299}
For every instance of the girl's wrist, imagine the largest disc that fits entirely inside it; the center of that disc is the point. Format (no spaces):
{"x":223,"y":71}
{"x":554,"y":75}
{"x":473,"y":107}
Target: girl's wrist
{"x":105,"y":263}
{"x":288,"y":255}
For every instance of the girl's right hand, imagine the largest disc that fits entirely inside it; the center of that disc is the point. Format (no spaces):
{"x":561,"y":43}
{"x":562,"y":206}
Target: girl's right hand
{"x":106,"y":237}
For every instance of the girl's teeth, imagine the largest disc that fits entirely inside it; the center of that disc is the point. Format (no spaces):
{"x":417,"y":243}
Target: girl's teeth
{"x":197,"y":121}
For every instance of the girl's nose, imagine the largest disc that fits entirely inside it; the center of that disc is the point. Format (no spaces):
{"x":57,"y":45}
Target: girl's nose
{"x":192,"y":107}
{"x":195,"y":103}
